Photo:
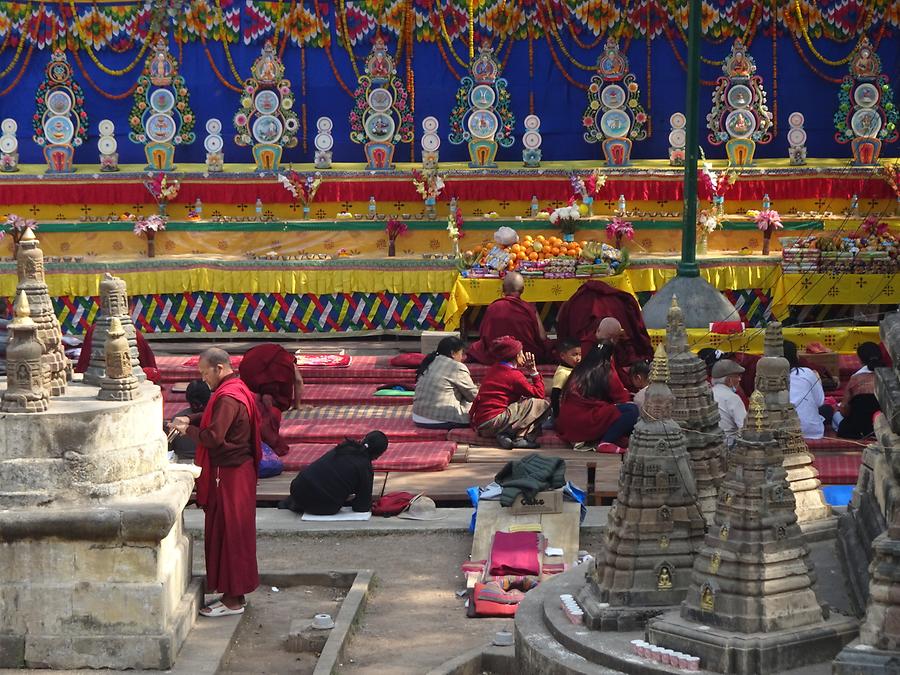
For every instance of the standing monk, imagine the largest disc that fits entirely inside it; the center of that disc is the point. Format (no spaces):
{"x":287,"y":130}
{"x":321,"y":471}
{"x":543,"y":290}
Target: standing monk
{"x":228,"y":451}
{"x":510,"y":315}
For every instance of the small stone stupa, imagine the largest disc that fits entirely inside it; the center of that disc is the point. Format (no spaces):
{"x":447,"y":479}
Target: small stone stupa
{"x":751,"y":607}
{"x":30,"y":269}
{"x":113,"y":303}
{"x":772,"y":380}
{"x":119,"y":382}
{"x":655,"y":526}
{"x":696,"y":411}
{"x":24,"y":380}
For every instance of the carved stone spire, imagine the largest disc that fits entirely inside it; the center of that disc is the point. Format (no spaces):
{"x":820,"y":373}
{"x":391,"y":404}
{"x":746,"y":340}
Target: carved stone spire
{"x":24,"y":379}
{"x":676,"y":333}
{"x":774,"y":340}
{"x":119,"y":382}
{"x":113,"y":303}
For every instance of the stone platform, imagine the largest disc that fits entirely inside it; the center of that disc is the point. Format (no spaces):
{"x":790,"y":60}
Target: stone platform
{"x":97,"y":567}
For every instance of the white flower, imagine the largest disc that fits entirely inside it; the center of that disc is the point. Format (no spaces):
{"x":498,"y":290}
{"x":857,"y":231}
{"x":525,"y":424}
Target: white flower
{"x":554,"y":217}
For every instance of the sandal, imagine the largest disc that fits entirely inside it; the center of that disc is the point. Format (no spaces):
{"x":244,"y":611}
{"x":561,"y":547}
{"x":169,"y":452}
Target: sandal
{"x":219,"y":608}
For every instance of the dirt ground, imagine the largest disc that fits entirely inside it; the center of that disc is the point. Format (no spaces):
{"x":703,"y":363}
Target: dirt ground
{"x":413,"y":621}
{"x":258,"y":645}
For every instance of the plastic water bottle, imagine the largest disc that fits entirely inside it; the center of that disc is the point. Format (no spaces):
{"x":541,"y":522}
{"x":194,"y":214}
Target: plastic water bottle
{"x":766,"y":202}
{"x":372,"y":208}
{"x":854,"y":205}
{"x":453,"y":207}
{"x":198,"y":207}
{"x":622,"y":205}
{"x":259,"y":207}
{"x":535,"y":207}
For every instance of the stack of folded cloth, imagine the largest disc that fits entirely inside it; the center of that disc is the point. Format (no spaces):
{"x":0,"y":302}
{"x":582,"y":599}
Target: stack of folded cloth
{"x":837,"y":262}
{"x":874,"y":262}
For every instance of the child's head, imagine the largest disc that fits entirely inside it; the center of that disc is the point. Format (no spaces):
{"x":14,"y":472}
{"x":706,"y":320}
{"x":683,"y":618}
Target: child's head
{"x":570,"y":353}
{"x":640,"y":374}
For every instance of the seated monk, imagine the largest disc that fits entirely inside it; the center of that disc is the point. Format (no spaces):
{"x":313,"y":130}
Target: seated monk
{"x":270,"y":372}
{"x":580,"y":316}
{"x":510,"y":315}
{"x":611,"y":334}
{"x":145,"y":355}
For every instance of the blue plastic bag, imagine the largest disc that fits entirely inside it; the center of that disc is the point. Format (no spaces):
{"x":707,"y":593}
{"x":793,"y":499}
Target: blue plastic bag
{"x":270,"y":464}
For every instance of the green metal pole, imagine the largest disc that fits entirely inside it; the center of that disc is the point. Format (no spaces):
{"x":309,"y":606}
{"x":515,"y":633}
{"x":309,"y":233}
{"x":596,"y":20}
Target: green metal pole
{"x":688,"y":265}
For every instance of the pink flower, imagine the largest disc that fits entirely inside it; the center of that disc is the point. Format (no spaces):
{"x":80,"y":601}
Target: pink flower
{"x":620,"y":228}
{"x":395,"y":228}
{"x":768,"y":219}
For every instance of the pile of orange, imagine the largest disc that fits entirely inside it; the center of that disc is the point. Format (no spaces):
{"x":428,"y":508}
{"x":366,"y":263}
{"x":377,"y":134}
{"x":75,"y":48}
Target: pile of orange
{"x":536,"y":248}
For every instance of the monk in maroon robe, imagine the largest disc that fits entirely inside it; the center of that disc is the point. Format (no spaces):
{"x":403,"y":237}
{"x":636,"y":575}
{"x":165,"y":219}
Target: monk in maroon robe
{"x":579,"y":320}
{"x":270,"y":371}
{"x":228,"y":451}
{"x":510,"y":315}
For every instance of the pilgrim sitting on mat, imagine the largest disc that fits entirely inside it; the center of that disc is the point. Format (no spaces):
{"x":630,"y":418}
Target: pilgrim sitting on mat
{"x":342,"y":475}
{"x":510,"y":404}
{"x":595,"y":406}
{"x":444,"y":388}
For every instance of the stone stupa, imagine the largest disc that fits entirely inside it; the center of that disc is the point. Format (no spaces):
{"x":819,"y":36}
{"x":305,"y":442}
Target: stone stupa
{"x":772,"y":380}
{"x":30,"y":270}
{"x":25,"y":378}
{"x":751,"y":607}
{"x":696,"y":411}
{"x":113,"y":303}
{"x":655,"y":526}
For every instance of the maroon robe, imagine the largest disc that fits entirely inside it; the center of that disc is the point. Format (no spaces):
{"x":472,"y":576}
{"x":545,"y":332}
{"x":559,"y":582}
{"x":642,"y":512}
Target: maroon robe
{"x":583,"y":419}
{"x":579,"y":317}
{"x":512,"y":316}
{"x":227,"y":495}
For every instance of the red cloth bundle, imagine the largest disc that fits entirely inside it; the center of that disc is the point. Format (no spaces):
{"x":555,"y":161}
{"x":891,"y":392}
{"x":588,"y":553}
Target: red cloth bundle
{"x":515,"y":553}
{"x":726,"y":327}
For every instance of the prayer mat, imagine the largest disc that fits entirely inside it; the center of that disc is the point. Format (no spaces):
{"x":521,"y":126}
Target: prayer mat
{"x":830,"y":444}
{"x":424,"y":456}
{"x":346,"y":513}
{"x":351,"y":412}
{"x":549,"y":439}
{"x":350,"y":394}
{"x":319,"y":431}
{"x":838,"y":469}
{"x":322,"y":360}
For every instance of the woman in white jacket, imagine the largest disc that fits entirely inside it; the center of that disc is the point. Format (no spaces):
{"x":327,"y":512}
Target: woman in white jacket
{"x":807,"y":395}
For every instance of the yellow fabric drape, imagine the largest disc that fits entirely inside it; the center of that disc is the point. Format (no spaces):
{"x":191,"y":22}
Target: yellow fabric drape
{"x":844,"y":339}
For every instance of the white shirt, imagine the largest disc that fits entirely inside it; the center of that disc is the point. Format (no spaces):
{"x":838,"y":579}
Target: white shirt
{"x":807,"y":396}
{"x":731,"y":411}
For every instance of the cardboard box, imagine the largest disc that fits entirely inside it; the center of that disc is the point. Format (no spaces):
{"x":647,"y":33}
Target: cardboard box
{"x":546,"y":502}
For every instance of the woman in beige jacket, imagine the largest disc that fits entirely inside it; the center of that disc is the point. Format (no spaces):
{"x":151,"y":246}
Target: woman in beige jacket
{"x":444,"y":388}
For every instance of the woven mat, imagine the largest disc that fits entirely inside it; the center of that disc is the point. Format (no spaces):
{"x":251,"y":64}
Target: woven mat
{"x":334,"y":431}
{"x":425,"y":456}
{"x":831,"y":444}
{"x":838,"y":469}
{"x":351,"y":412}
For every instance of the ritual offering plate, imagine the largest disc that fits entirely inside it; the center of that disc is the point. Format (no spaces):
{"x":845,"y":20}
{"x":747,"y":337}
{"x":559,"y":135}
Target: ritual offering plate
{"x":531,"y":140}
{"x":160,"y":127}
{"x":324,"y":142}
{"x":162,"y":100}
{"x":106,"y":128}
{"x":866,"y":122}
{"x":740,"y":124}
{"x":9,"y":126}
{"x":380,"y":127}
{"x":324,"y":124}
{"x":866,"y":95}
{"x":431,"y":142}
{"x":615,"y":123}
{"x":430,"y":124}
{"x":677,"y":138}
{"x":678,"y":120}
{"x":59,"y":130}
{"x":796,"y":119}
{"x":483,"y":96}
{"x":483,"y":124}
{"x":267,"y":129}
{"x":739,"y":96}
{"x":59,"y":102}
{"x":380,"y":100}
{"x":266,"y":102}
{"x":213,"y":126}
{"x":8,"y":144}
{"x":613,"y":96}
{"x":532,"y":122}
{"x":107,"y":145}
{"x":213,"y":143}
{"x":796,"y":136}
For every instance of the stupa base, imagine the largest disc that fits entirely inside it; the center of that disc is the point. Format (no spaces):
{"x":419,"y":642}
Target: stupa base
{"x":725,"y":651}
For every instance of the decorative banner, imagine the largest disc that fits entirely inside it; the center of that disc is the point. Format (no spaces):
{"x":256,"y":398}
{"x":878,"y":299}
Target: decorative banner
{"x":60,"y":121}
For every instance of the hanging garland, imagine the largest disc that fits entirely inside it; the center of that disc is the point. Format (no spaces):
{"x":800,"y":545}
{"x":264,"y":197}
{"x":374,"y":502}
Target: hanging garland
{"x":25,"y":29}
{"x":553,"y":55}
{"x":446,"y":36}
{"x":328,"y":55}
{"x":809,"y":43}
{"x":95,"y":86}
{"x":116,"y":72}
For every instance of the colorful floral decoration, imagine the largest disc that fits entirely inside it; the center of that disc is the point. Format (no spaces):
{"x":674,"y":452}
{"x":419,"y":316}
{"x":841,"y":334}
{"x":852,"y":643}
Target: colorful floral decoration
{"x":163,"y":189}
{"x":614,"y":116}
{"x":381,"y":117}
{"x":60,"y":122}
{"x":16,"y":226}
{"x":265,"y":119}
{"x":303,"y":189}
{"x":394,"y":229}
{"x":566,"y":218}
{"x":866,"y":116}
{"x":619,"y":229}
{"x":481,"y":116}
{"x":161,"y":117}
{"x":455,"y":231}
{"x":148,"y":228}
{"x":767,"y":220}
{"x":739,"y":117}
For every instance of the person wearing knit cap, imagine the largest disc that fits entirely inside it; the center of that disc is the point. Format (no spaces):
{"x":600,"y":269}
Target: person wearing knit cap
{"x":726,"y":378}
{"x":511,"y":404}
{"x":346,"y":470}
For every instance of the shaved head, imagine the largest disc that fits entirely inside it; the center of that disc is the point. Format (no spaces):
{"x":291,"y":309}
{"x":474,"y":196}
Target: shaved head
{"x":513,"y":283}
{"x":609,"y":329}
{"x":214,"y":366}
{"x":216,"y":357}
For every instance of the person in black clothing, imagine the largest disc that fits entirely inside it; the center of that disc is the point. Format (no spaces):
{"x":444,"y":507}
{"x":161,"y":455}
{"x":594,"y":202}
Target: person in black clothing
{"x":346,"y":470}
{"x":197,"y":395}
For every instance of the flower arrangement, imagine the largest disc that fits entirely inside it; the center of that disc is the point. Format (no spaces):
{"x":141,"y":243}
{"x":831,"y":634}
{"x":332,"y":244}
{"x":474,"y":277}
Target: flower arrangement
{"x":428,"y":184}
{"x":148,"y":227}
{"x":162,"y":188}
{"x":872,"y":227}
{"x":566,"y":218}
{"x":394,"y":229}
{"x":16,"y":225}
{"x":455,"y":230}
{"x":707,"y":221}
{"x":302,"y":189}
{"x":619,"y":229}
{"x":716,"y":183}
{"x":767,"y":220}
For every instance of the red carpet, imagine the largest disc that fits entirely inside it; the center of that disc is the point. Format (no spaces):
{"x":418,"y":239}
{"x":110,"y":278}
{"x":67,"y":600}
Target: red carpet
{"x":838,"y":468}
{"x":433,"y":456}
{"x":334,"y":431}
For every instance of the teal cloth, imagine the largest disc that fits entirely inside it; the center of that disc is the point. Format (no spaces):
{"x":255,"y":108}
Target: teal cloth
{"x":394,"y":392}
{"x":532,"y":474}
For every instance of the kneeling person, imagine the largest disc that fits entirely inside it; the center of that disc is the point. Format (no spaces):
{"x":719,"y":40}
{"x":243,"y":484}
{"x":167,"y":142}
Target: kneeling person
{"x":326,"y":485}
{"x":510,"y":404}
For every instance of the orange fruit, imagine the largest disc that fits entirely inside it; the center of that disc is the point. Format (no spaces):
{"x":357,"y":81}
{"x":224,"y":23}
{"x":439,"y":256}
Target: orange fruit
{"x":532,"y":256}
{"x":555,"y":250}
{"x":541,"y":238}
{"x":521,"y":255}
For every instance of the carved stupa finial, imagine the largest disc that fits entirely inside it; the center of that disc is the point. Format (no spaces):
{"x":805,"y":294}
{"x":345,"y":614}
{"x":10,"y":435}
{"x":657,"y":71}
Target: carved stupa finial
{"x":659,"y":369}
{"x":27,"y":235}
{"x":774,"y":339}
{"x":757,"y":410}
{"x":22,"y":311}
{"x":676,"y":333}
